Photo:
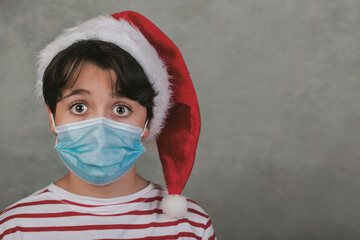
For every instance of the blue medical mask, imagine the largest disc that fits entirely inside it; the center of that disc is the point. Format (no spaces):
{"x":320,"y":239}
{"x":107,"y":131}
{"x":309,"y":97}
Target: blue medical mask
{"x":99,"y":150}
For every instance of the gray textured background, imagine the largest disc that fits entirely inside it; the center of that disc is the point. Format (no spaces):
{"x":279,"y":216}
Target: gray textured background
{"x":279,"y":91}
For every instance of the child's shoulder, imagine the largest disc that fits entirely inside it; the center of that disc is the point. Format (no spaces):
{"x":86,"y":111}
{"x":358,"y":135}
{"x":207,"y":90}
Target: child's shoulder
{"x":195,"y":212}
{"x":193,"y":207}
{"x":27,"y":202}
{"x":23,"y":208}
{"x":196,"y":222}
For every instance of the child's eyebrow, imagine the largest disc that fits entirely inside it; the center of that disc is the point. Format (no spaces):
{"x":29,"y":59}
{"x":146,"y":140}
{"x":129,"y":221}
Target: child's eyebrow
{"x":116,"y":94}
{"x":78,"y":92}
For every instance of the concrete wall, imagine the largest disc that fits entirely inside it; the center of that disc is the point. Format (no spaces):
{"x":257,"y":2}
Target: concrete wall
{"x":278,"y":83}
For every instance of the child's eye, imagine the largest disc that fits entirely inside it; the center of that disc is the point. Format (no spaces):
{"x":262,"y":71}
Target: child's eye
{"x":78,"y":108}
{"x":121,"y":110}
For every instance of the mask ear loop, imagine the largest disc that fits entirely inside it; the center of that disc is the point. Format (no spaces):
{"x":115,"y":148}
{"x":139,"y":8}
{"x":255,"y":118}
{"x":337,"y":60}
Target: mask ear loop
{"x":146,"y":123}
{"x":53,"y":124}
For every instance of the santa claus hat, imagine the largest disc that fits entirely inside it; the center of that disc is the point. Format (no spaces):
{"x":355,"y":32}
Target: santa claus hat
{"x":176,"y":122}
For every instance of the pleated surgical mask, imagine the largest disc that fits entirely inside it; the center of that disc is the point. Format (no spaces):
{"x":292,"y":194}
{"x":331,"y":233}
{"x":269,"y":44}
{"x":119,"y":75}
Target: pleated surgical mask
{"x":99,"y":150}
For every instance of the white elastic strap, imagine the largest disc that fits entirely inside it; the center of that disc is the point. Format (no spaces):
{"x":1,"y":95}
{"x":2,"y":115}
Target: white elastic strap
{"x":53,"y":124}
{"x":53,"y":120}
{"x":146,"y":123}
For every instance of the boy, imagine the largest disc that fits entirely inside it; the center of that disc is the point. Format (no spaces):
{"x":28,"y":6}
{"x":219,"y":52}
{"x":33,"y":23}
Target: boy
{"x":110,"y":84}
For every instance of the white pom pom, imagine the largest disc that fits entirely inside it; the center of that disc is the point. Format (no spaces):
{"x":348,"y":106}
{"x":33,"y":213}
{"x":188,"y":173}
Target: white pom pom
{"x":175,"y":206}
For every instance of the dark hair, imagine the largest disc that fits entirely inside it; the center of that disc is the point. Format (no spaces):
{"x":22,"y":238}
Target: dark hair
{"x":131,"y":80}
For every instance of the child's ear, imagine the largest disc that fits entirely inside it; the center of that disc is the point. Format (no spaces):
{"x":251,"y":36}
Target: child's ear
{"x":146,"y":133}
{"x":51,"y":124}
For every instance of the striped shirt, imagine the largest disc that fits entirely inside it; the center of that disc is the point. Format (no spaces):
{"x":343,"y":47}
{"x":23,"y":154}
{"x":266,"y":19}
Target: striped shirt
{"x":53,"y":213}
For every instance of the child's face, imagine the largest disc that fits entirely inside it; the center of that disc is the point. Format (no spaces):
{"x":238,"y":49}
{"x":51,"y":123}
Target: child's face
{"x":92,"y":96}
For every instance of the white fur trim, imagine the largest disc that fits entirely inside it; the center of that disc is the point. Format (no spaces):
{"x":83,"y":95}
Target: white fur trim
{"x":174,"y":206}
{"x":129,"y":38}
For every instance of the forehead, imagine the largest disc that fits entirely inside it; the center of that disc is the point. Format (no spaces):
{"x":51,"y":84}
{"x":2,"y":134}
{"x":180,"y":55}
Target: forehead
{"x":89,"y":75}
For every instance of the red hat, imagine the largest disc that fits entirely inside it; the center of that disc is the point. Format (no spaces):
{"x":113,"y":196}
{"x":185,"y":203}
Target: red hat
{"x":176,"y":122}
